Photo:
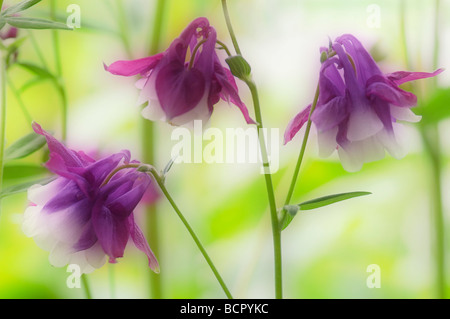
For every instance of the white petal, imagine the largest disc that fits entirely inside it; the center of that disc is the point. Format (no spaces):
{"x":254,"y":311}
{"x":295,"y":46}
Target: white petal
{"x":95,"y":256}
{"x":390,"y":141}
{"x":153,"y":111}
{"x":354,"y":155}
{"x":40,"y":195}
{"x":60,"y":254}
{"x":30,"y":223}
{"x":404,"y":114}
{"x":327,"y":142}
{"x":363,"y":123}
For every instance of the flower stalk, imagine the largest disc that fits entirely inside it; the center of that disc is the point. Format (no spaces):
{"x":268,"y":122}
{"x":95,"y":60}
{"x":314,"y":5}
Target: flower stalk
{"x":2,"y":115}
{"x":160,"y":181}
{"x":276,"y":232}
{"x":302,"y":150}
{"x":148,"y":153}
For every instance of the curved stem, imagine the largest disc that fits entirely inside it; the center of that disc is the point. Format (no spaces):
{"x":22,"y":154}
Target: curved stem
{"x":230,"y":27}
{"x":276,"y":232}
{"x":163,"y":188}
{"x":302,"y":150}
{"x":194,"y":53}
{"x":224,"y":46}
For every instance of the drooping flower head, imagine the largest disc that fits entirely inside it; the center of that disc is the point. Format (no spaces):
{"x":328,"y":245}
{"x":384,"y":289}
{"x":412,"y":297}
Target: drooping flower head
{"x":181,"y":87}
{"x":81,"y":219}
{"x":359,"y":107}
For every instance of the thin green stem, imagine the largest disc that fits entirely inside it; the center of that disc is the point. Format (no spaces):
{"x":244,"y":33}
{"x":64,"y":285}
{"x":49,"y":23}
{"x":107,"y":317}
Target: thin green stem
{"x":194,"y":53}
{"x":1,"y":4}
{"x":302,"y":150}
{"x":2,"y":116}
{"x":123,"y":27}
{"x":112,"y":281}
{"x":430,"y":137}
{"x":223,"y":45}
{"x":163,"y":188}
{"x":58,"y":65}
{"x":276,"y":232}
{"x":37,"y":49}
{"x":86,"y":287}
{"x":148,"y":132}
{"x":230,"y":27}
{"x":19,"y":99}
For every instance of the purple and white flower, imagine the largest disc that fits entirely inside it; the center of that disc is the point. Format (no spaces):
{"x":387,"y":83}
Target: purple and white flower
{"x":180,"y":90}
{"x":359,"y":107}
{"x":78,"y":217}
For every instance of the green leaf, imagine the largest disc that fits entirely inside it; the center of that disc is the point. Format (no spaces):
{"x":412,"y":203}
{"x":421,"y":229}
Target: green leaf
{"x":39,"y":71}
{"x":35,"y":23}
{"x":20,"y":188}
{"x":21,"y":6}
{"x":24,"y":146}
{"x":22,"y":171}
{"x":330,"y":199}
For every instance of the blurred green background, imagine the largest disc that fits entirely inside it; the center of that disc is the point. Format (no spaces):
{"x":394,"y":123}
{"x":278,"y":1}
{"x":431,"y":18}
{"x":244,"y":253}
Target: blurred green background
{"x":326,"y":252}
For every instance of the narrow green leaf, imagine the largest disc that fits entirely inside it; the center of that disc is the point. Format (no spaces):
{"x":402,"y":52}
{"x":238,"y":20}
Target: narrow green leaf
{"x":330,"y":199}
{"x":24,"y":146}
{"x":13,"y":172}
{"x":35,"y":23}
{"x":20,"y":188}
{"x":21,"y":6}
{"x":39,"y":71}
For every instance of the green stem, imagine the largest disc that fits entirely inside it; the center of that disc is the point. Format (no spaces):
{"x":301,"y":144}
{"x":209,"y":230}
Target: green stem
{"x":2,"y":116}
{"x":160,"y":182}
{"x":302,"y":150}
{"x":19,"y":99}
{"x":430,"y":136}
{"x":276,"y":232}
{"x":86,"y":287}
{"x":123,"y":27}
{"x":58,"y":65}
{"x":112,"y":281}
{"x":230,"y":27}
{"x":148,"y":152}
{"x":1,"y":4}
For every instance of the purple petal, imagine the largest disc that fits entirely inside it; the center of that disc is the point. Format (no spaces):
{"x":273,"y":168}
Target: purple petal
{"x":141,"y":243}
{"x":179,"y":90}
{"x":405,"y":76}
{"x":331,"y":114}
{"x":229,"y":90}
{"x":296,"y":124}
{"x":134,"y":67}
{"x":112,"y":232}
{"x":69,"y":157}
{"x":390,"y":93}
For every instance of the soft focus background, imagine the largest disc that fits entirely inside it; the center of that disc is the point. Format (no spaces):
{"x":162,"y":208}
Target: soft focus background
{"x":327,"y":251}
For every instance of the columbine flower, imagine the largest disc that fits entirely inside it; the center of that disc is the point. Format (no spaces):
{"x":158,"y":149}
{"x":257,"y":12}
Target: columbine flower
{"x":180,"y":90}
{"x":358,"y":107}
{"x":77,"y":217}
